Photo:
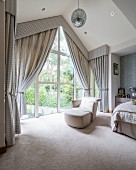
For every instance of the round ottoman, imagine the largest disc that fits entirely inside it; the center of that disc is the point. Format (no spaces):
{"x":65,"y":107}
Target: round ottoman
{"x":77,"y":118}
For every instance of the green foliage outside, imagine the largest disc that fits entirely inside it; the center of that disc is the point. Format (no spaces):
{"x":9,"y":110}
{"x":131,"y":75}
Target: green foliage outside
{"x":48,"y":95}
{"x":66,"y":95}
{"x":30,"y":95}
{"x":48,"y":92}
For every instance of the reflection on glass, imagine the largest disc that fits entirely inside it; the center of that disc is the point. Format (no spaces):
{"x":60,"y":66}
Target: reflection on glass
{"x":30,"y":102}
{"x":49,"y":71}
{"x":47,"y":99}
{"x":66,"y":95}
{"x":66,"y":69}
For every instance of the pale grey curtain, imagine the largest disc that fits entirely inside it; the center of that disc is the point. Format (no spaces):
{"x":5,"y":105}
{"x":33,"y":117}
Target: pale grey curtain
{"x":99,"y":68}
{"x":12,"y":120}
{"x":81,"y":64}
{"x":31,"y":54}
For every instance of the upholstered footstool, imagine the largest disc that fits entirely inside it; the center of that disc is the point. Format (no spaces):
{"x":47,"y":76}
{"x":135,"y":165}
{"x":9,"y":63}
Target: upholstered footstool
{"x":77,"y":118}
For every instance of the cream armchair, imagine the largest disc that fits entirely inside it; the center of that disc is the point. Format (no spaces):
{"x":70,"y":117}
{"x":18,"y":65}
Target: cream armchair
{"x":77,"y":103}
{"x":83,"y":112}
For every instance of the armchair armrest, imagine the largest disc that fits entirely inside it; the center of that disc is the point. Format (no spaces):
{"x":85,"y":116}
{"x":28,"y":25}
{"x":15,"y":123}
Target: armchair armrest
{"x":76,"y":103}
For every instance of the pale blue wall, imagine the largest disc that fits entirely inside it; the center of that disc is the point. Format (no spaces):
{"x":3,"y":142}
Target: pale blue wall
{"x":128,"y":71}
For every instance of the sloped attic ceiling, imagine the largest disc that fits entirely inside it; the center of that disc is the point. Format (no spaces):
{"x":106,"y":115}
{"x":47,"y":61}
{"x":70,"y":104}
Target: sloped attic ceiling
{"x":101,"y":27}
{"x":128,"y":8}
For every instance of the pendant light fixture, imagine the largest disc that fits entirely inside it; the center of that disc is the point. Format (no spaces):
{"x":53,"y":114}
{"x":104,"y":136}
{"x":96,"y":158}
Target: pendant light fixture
{"x":78,"y":17}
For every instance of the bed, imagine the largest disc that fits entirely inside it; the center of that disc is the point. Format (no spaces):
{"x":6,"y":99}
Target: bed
{"x":123,"y":119}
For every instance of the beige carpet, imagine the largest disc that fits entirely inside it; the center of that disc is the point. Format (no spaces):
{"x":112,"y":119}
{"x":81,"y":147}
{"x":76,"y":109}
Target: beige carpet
{"x":47,"y":143}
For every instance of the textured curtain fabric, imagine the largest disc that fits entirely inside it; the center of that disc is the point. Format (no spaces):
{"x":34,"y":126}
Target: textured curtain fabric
{"x":36,"y":26}
{"x":31,"y":54}
{"x":99,"y":68}
{"x":12,"y":120}
{"x":81,"y":64}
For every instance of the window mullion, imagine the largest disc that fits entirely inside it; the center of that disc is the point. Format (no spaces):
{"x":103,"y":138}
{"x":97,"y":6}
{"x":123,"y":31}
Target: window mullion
{"x":58,"y":72}
{"x":36,"y":98}
{"x":74,"y":85}
{"x":54,"y":83}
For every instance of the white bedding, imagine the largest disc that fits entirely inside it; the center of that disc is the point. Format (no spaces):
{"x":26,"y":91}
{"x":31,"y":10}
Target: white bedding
{"x":125,"y":112}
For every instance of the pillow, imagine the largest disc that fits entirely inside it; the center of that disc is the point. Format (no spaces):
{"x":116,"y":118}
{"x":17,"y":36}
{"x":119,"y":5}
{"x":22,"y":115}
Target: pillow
{"x":87,"y":103}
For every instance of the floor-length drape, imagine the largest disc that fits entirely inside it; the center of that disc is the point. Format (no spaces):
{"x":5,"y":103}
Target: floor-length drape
{"x":31,"y":54}
{"x":81,"y":64}
{"x":12,"y":121}
{"x":99,"y":68}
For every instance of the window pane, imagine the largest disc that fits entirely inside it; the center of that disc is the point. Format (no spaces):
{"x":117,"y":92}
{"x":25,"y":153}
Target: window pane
{"x":79,"y":92}
{"x":47,"y":99}
{"x":49,"y":71}
{"x":63,"y":43}
{"x":66,"y":95}
{"x":30,"y":102}
{"x":66,"y":69}
{"x":96,"y":90}
{"x":55,"y":44}
{"x":79,"y":89}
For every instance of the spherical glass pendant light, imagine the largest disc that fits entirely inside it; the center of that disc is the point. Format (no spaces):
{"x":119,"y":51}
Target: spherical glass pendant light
{"x":78,"y":17}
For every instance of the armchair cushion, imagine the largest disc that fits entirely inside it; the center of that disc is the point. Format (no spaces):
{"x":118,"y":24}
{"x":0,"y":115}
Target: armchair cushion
{"x":87,"y":103}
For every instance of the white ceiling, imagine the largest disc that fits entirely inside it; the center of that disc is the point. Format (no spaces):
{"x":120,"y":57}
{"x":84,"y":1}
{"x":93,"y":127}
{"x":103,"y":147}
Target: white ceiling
{"x":100,"y":26}
{"x":28,"y":10}
{"x":128,"y":8}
